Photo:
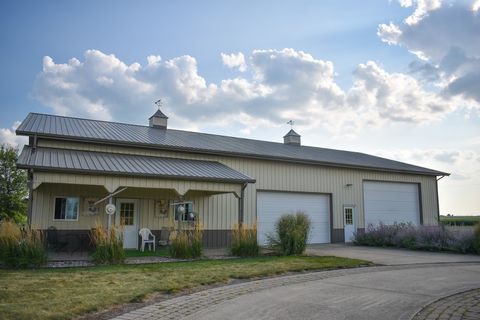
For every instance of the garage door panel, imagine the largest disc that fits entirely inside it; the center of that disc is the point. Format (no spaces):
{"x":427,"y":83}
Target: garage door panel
{"x":390,"y":202}
{"x":272,"y":205}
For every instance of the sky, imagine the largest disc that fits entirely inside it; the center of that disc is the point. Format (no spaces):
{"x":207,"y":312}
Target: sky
{"x":397,"y":79}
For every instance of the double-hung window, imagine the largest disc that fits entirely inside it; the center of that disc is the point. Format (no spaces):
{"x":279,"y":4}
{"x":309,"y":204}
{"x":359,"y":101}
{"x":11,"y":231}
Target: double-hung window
{"x":66,"y":208}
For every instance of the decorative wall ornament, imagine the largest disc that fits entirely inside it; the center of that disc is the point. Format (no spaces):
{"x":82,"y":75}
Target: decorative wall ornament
{"x":90,"y":207}
{"x":161,"y":208}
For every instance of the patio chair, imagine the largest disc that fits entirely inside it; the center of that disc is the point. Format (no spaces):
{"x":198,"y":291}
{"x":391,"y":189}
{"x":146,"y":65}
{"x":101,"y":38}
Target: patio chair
{"x":147,"y":238}
{"x":164,"y":237}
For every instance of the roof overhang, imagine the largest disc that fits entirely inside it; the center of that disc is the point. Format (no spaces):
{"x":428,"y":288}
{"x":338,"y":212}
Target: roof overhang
{"x":113,"y":164}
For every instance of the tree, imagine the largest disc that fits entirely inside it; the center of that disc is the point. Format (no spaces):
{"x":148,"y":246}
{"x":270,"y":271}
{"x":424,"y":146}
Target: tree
{"x":13,"y":186}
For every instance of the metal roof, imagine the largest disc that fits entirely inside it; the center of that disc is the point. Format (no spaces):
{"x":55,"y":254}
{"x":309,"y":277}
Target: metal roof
{"x":167,"y":139}
{"x":52,"y":159}
{"x":159,"y":114}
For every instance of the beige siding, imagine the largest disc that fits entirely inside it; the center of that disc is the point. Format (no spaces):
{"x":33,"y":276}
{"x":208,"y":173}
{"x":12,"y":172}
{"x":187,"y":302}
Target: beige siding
{"x":283,"y":176}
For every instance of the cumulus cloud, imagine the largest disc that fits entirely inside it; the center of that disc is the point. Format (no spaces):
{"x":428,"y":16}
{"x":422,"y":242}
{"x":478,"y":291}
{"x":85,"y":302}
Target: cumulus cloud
{"x":234,"y":61}
{"x":461,"y":164}
{"x":447,"y":38}
{"x":281,"y":85}
{"x":7,"y":136}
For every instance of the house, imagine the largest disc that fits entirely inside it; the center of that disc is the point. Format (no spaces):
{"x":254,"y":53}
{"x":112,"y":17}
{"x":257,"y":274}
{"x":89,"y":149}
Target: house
{"x":161,"y":178}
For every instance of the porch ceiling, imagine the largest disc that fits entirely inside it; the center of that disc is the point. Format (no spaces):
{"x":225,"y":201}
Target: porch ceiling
{"x":112,"y":183}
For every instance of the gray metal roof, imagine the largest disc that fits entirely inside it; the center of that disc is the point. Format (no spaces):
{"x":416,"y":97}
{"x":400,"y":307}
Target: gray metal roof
{"x":292,"y":133}
{"x":168,"y":139}
{"x":159,"y":114}
{"x":52,"y":159}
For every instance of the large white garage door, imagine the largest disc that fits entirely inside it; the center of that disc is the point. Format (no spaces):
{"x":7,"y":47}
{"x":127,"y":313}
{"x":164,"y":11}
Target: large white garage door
{"x":272,"y":205}
{"x":391,"y":202}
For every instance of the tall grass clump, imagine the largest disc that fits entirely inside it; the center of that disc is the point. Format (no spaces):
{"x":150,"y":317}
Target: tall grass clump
{"x":244,"y":241}
{"x":291,"y":234}
{"x":21,"y":247}
{"x":107,"y":244}
{"x":186,"y":244}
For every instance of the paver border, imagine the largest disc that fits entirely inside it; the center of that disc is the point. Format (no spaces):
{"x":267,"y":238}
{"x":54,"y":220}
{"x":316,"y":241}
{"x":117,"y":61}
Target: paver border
{"x":422,"y":314}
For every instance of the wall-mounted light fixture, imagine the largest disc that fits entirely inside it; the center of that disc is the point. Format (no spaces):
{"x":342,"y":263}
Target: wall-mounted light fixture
{"x":348,"y":185}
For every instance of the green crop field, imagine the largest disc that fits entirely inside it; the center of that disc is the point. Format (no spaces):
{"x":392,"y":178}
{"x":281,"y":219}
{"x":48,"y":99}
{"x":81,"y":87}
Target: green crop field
{"x":460,"y":220}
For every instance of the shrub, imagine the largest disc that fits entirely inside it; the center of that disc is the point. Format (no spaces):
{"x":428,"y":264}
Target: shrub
{"x":108,"y":245}
{"x":434,"y":238}
{"x":476,"y":239}
{"x":187,"y":243}
{"x":291,"y":234}
{"x":244,"y":241}
{"x":21,"y":247}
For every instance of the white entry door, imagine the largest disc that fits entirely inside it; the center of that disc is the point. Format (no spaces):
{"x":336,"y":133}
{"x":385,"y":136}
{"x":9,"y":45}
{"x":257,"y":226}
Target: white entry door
{"x":272,"y":205}
{"x":127,"y":218}
{"x":349,"y":223}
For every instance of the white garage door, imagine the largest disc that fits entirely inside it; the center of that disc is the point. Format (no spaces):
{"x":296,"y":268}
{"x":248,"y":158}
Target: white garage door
{"x":272,"y":205}
{"x":391,"y":202}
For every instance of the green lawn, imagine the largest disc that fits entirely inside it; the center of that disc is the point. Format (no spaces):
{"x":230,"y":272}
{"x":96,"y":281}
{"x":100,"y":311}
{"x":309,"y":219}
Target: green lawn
{"x":65,"y":293}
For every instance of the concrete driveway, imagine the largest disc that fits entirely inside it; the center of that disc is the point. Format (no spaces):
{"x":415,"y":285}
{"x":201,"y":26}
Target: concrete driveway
{"x":388,"y":256}
{"x":387,"y":294}
{"x":407,"y":282}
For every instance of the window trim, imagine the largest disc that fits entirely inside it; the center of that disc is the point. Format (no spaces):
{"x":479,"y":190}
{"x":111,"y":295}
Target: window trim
{"x":64,"y":197}
{"x":353,"y":216}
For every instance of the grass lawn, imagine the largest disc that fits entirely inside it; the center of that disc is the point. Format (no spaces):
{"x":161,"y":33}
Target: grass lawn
{"x":65,"y":293}
{"x":160,"y":252}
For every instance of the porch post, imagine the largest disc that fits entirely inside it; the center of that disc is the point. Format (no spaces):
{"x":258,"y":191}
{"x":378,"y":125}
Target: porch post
{"x":109,"y":224}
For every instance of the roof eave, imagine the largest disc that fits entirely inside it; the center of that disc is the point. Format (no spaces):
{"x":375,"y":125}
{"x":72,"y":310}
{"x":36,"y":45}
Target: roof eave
{"x":131,"y":174}
{"x":216,"y":152}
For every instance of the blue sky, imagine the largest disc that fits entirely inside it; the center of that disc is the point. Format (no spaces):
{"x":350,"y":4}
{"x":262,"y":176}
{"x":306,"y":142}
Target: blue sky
{"x":383,"y":77}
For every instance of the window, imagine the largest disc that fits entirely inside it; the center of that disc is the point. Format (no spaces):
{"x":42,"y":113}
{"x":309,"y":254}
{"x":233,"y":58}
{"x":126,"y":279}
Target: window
{"x":348,"y":212}
{"x":127,"y":213}
{"x":188,"y":215}
{"x":66,"y":208}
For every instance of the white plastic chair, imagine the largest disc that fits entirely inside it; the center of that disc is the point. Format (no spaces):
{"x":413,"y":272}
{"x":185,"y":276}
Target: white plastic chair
{"x":147,"y":237}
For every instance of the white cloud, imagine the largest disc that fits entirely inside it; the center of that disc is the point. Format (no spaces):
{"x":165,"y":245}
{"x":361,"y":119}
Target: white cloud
{"x":283,"y":84}
{"x":447,"y":38}
{"x":422,"y":8}
{"x":8,"y":136}
{"x":234,"y":61}
{"x":389,"y":33}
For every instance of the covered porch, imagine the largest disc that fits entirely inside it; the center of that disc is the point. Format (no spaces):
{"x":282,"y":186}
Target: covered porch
{"x":71,"y":188}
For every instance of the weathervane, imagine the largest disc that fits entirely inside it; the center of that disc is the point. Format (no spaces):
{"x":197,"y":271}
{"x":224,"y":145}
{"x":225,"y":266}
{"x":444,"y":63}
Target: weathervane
{"x":291,"y":123}
{"x":159,"y":103}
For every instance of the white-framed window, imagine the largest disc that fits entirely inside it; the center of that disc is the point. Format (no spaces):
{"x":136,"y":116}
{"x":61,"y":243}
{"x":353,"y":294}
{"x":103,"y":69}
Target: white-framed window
{"x":188,"y":215}
{"x":66,"y":208}
{"x":348,"y":215}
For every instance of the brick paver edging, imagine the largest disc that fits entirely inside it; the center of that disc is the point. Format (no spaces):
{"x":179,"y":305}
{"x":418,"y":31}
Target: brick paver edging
{"x":179,"y":307}
{"x":460,"y":306}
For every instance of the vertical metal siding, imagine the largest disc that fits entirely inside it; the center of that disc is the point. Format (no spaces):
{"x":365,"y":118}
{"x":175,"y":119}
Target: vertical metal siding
{"x":220,"y":211}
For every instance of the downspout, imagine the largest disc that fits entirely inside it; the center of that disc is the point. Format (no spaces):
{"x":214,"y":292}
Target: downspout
{"x":438,"y":201}
{"x":241,"y":206}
